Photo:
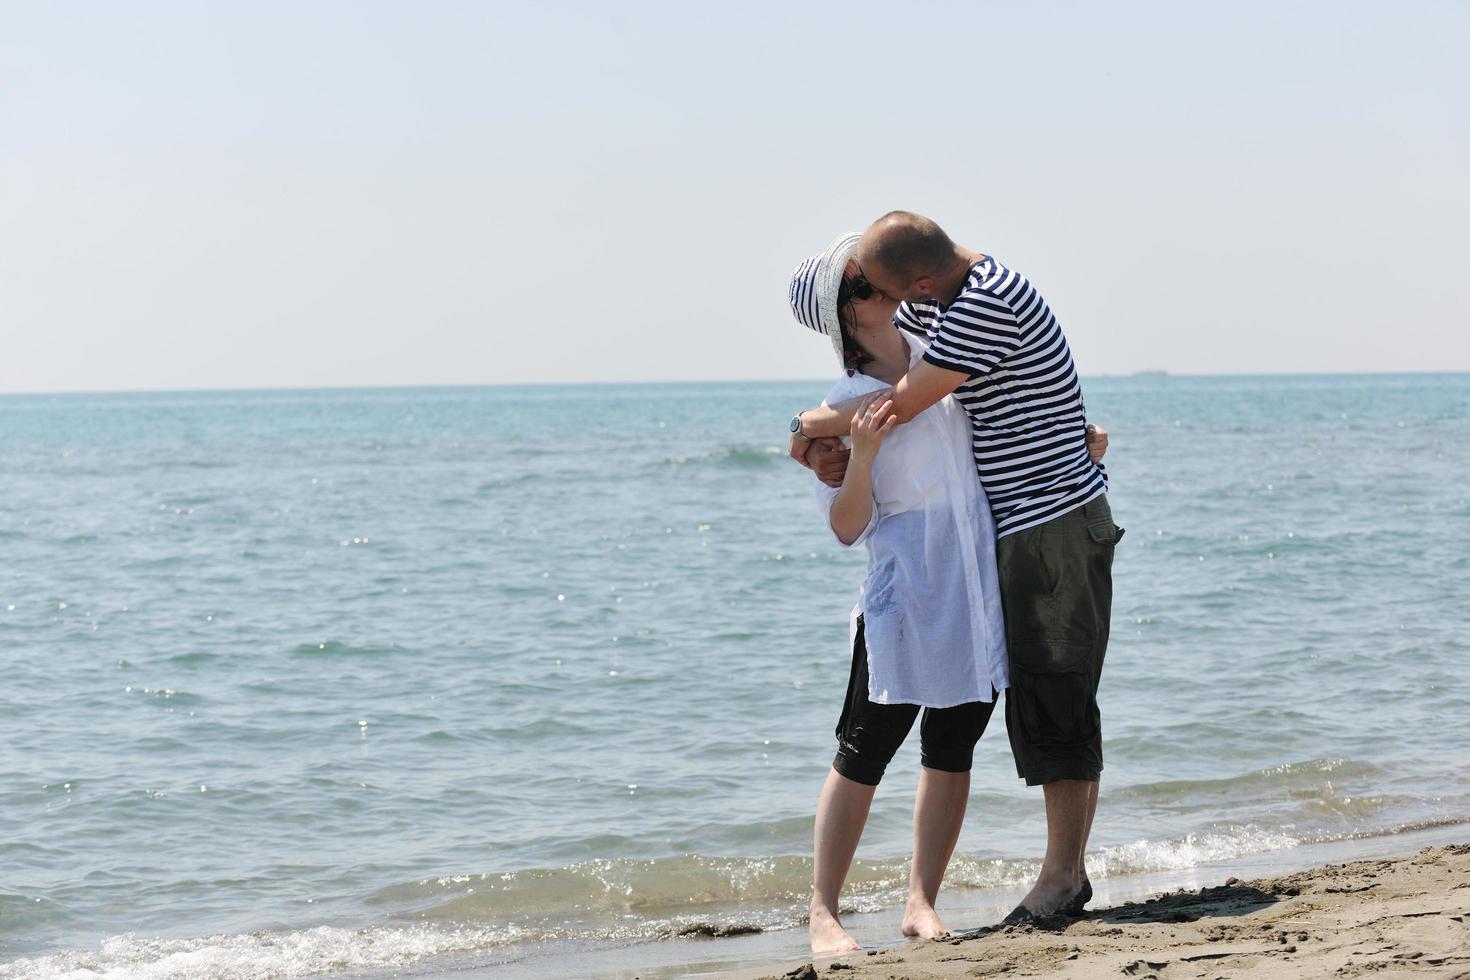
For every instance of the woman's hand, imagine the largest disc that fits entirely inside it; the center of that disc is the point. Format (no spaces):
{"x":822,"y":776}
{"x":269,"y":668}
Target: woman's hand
{"x":869,"y":426}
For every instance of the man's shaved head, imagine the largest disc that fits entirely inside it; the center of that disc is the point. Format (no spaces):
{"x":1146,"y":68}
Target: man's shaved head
{"x":907,"y":246}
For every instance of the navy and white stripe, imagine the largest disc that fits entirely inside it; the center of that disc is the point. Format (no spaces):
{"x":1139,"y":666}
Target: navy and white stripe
{"x":815,"y":286}
{"x":803,"y":294}
{"x":1027,"y":419}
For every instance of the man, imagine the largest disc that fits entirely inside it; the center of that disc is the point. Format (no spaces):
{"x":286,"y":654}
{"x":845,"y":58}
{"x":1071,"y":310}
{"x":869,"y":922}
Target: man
{"x":995,"y":345}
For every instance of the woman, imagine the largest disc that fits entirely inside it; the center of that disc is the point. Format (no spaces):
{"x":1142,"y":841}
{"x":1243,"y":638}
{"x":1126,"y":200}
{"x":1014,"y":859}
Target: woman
{"x":927,"y":629}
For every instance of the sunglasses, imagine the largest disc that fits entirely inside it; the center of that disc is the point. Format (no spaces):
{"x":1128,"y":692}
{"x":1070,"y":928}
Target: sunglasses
{"x":860,"y":288}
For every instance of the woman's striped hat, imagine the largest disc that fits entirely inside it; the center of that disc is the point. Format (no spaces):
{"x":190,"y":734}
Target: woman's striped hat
{"x":814,"y":287}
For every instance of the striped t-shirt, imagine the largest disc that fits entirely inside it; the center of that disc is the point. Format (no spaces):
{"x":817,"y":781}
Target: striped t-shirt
{"x":1027,"y":420}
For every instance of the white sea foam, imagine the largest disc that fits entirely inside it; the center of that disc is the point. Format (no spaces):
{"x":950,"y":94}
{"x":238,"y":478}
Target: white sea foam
{"x":263,"y":955}
{"x":1188,"y":852}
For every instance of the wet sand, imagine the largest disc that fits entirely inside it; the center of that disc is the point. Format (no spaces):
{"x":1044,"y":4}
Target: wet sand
{"x":1378,"y":917}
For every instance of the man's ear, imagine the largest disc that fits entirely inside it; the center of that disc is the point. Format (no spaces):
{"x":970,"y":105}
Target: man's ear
{"x":922,"y":287}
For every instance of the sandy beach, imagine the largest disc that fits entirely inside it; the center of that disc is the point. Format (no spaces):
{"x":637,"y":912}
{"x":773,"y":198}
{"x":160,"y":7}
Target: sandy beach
{"x":1386,"y":917}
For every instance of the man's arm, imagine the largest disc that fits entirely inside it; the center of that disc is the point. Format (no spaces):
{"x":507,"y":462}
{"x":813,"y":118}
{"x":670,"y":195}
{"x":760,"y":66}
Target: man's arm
{"x":923,"y":386}
{"x":827,"y":458}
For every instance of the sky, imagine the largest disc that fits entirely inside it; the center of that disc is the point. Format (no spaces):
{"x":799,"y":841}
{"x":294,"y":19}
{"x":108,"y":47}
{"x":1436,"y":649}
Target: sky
{"x":262,"y":195}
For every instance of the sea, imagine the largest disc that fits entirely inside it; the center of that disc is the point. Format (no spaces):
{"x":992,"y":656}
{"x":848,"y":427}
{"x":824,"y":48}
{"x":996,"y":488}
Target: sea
{"x":542,"y":681}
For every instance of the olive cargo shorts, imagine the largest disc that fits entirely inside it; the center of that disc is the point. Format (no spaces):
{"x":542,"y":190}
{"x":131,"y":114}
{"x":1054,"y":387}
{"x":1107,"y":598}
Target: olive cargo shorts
{"x":1056,"y":587}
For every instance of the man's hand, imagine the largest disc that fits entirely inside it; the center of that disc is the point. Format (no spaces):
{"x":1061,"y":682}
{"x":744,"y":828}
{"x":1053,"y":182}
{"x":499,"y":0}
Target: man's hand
{"x":1097,"y":442}
{"x":827,"y":458}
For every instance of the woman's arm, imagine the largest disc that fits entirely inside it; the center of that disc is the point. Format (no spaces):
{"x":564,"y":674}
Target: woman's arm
{"x":852,"y":508}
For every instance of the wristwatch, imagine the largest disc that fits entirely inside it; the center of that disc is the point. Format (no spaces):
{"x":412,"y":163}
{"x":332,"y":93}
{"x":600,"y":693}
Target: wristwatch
{"x":796,"y":427}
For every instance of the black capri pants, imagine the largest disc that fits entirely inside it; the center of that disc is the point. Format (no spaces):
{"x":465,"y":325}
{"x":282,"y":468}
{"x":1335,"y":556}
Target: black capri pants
{"x":869,"y":734}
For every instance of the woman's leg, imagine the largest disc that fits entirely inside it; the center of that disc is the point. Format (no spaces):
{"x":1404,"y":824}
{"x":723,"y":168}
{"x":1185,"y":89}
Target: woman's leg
{"x":949,"y":737}
{"x":868,"y":736}
{"x":841,"y":814}
{"x":939,"y":812}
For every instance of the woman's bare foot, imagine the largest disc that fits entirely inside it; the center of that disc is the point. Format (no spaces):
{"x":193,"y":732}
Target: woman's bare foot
{"x":920,"y":921}
{"x":827,"y":935}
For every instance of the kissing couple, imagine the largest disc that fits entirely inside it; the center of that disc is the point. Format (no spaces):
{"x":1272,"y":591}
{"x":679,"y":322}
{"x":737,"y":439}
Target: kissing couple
{"x":955,"y":447}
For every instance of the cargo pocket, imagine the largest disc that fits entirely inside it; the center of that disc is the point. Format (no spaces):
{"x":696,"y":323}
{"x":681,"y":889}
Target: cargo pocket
{"x":1104,"y":531}
{"x":1051,"y":687}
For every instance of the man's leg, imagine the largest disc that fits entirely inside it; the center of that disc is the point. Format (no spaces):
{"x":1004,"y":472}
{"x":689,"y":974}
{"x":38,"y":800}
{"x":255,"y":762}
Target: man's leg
{"x":1056,"y":587}
{"x":1069,"y":806}
{"x":939,"y":813}
{"x":1087,"y":831}
{"x":841,"y":813}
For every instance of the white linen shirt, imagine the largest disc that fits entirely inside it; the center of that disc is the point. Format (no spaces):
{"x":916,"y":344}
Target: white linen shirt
{"x":931,"y":600}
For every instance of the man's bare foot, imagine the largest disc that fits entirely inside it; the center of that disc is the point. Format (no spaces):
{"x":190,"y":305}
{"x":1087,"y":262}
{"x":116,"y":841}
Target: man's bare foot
{"x":1050,"y":896}
{"x":827,"y":935}
{"x":920,"y":921}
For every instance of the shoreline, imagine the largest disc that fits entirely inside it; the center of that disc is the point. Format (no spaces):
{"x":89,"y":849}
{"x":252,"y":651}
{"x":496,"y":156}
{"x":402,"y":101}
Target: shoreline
{"x":1203,"y":916}
{"x":773,"y":953}
{"x":1409,"y":913}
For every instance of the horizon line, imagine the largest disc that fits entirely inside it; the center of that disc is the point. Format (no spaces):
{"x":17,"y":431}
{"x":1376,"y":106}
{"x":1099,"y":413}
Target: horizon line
{"x":410,"y":386}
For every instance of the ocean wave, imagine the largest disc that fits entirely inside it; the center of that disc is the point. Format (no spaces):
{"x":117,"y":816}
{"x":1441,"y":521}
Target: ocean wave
{"x":1410,"y":827}
{"x":165,"y":694}
{"x":1288,"y":777}
{"x":1188,"y":852}
{"x":738,"y":456}
{"x":194,"y":659}
{"x":647,"y":887}
{"x":332,"y":648}
{"x":491,"y":487}
{"x":263,"y":955}
{"x":1230,"y":843}
{"x":19,"y":913}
